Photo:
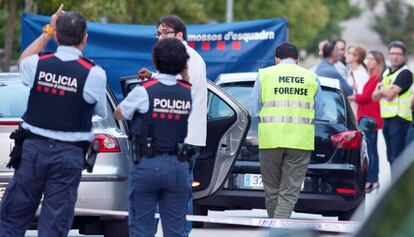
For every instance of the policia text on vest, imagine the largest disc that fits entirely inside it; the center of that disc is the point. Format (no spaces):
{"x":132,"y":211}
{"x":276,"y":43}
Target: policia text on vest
{"x":291,"y":90}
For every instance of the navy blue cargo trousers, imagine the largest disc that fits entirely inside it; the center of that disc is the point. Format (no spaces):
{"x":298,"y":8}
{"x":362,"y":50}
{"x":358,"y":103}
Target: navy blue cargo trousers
{"x":49,"y":173}
{"x":161,"y":180}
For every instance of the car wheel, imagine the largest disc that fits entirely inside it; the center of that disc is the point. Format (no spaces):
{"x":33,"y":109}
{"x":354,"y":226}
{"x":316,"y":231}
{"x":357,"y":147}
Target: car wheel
{"x":199,"y":211}
{"x":116,"y":228}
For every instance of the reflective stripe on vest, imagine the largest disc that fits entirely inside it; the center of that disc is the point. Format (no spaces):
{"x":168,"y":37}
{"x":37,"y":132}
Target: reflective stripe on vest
{"x":287,"y":114}
{"x":401,"y":104}
{"x":288,"y":103}
{"x":286,"y":120}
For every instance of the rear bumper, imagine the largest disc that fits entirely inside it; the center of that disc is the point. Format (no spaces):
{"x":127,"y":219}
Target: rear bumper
{"x":96,"y":191}
{"x":308,"y":202}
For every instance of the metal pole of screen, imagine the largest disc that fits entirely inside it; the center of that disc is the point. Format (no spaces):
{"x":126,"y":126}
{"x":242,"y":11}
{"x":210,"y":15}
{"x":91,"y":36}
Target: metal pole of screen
{"x":229,"y":11}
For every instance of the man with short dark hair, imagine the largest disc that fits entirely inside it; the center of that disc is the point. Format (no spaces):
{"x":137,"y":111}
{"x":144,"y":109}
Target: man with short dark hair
{"x":173,"y":27}
{"x":283,"y":98}
{"x":327,"y":69}
{"x":159,"y":174}
{"x":394,"y":93}
{"x":66,"y":90}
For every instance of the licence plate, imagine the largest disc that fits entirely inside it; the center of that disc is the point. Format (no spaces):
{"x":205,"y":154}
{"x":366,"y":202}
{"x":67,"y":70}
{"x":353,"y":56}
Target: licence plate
{"x":255,"y":181}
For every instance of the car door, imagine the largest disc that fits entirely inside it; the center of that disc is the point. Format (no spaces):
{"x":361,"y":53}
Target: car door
{"x":227,"y":125}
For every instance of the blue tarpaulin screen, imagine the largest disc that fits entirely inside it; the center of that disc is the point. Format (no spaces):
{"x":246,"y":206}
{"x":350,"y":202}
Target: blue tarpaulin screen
{"x":123,"y":49}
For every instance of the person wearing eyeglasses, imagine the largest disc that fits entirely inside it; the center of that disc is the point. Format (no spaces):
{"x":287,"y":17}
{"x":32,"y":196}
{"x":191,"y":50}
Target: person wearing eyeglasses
{"x":173,"y":27}
{"x":395,"y":94}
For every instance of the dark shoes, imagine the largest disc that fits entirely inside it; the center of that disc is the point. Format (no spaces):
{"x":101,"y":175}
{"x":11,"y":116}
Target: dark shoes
{"x":371,"y":186}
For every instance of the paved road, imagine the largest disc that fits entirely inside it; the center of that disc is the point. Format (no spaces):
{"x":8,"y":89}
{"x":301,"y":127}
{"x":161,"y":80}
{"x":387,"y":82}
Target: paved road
{"x":238,"y":231}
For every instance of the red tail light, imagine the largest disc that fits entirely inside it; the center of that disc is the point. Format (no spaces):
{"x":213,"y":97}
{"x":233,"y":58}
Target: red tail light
{"x":345,"y":191}
{"x":348,"y":140}
{"x":107,"y":143}
{"x":10,"y":123}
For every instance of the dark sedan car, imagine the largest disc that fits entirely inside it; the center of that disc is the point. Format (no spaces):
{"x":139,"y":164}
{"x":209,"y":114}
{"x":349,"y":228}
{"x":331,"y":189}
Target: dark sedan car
{"x":335,"y":181}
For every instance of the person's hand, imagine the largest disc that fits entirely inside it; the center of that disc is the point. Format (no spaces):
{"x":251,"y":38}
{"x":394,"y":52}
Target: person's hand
{"x":55,"y":16}
{"x":379,"y":86}
{"x":354,"y":86}
{"x":351,"y":98}
{"x":184,"y":74}
{"x":144,"y":73}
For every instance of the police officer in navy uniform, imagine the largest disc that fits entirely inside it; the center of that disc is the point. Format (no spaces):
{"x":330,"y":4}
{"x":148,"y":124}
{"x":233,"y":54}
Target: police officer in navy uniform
{"x":159,"y":110}
{"x":66,"y":90}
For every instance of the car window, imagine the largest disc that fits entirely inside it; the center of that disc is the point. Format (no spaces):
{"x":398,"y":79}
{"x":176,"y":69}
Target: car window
{"x":330,"y":105}
{"x":240,"y":91}
{"x":394,"y":215}
{"x":108,"y":122}
{"x":13,"y":99}
{"x":217,"y":108}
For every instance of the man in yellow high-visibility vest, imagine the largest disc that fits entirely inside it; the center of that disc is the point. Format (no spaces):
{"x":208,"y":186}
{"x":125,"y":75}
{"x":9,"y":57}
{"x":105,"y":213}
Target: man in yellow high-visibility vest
{"x":394,"y":93}
{"x":283,"y":97}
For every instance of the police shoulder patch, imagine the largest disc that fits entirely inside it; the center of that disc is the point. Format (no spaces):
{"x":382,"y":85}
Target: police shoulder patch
{"x":87,"y":63}
{"x":185,"y":84}
{"x":150,"y":83}
{"x":46,"y":54}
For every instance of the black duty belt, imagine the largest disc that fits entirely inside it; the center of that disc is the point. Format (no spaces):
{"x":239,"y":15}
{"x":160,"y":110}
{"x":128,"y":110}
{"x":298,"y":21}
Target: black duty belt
{"x":157,"y":152}
{"x":33,"y":136}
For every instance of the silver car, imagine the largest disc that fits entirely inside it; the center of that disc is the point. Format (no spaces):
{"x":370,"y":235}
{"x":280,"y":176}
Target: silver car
{"x":107,"y":187}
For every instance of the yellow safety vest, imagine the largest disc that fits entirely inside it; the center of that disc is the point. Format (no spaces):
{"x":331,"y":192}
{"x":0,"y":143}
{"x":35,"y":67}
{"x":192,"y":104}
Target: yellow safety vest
{"x":287,"y":114}
{"x":401,"y":104}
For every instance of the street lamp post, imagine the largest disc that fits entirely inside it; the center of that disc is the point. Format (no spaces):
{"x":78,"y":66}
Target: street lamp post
{"x":229,"y":11}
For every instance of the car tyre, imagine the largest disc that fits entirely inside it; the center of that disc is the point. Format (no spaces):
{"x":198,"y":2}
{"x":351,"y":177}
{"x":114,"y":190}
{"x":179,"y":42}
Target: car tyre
{"x":116,"y":228}
{"x":199,"y":211}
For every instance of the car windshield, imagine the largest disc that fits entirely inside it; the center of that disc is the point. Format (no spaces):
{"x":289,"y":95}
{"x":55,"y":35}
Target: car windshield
{"x":13,"y":98}
{"x":330,"y":106}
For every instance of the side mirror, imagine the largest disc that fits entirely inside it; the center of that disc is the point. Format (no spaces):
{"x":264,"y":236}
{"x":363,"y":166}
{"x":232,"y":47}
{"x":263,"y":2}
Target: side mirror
{"x":367,"y":124}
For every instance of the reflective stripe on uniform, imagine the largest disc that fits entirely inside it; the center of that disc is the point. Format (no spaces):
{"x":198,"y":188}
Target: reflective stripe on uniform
{"x":284,"y":119}
{"x":288,"y":103}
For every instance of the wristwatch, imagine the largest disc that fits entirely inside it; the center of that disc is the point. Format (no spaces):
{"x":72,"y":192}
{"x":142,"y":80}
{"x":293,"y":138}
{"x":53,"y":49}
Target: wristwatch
{"x":49,"y":30}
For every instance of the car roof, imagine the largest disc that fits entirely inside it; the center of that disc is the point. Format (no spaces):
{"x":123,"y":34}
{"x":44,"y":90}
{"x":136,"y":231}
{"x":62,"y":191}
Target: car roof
{"x":227,"y":78}
{"x":9,"y":75}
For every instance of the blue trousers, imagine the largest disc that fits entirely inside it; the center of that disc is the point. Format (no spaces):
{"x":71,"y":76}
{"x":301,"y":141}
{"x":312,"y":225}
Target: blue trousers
{"x":395,"y":132}
{"x":162,"y":181}
{"x":373,"y":165}
{"x":48,"y":168}
{"x":410,"y":135}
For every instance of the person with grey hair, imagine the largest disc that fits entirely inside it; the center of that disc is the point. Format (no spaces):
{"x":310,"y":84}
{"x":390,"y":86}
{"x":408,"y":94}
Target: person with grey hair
{"x":57,"y":127}
{"x":394,"y":93}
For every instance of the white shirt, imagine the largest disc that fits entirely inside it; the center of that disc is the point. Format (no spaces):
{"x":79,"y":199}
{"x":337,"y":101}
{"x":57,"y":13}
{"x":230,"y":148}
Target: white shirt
{"x":94,"y":92}
{"x":361,"y":76}
{"x":197,"y":121}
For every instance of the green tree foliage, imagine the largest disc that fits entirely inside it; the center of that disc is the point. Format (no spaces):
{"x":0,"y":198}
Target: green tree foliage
{"x":309,"y":21}
{"x":396,"y":23}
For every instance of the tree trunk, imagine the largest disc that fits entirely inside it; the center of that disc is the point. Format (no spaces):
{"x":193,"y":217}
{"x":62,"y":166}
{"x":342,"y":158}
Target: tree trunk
{"x":8,"y":46}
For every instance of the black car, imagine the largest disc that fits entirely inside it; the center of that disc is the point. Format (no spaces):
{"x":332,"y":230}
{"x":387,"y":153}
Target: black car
{"x":335,"y":181}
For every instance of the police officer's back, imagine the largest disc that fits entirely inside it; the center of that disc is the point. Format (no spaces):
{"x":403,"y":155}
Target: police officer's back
{"x":66,"y":90}
{"x":159,"y":110}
